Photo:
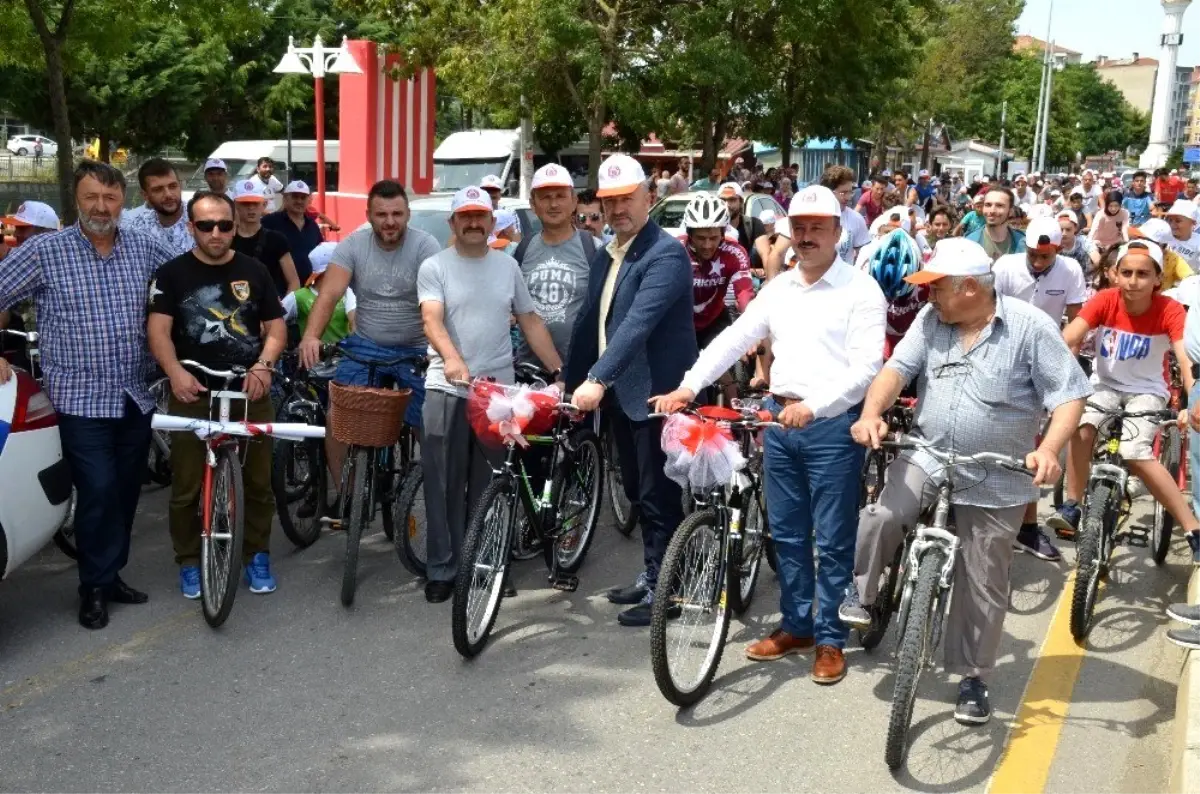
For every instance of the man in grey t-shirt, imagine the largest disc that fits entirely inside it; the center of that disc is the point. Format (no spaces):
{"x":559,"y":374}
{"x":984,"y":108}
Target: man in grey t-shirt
{"x":467,"y":294}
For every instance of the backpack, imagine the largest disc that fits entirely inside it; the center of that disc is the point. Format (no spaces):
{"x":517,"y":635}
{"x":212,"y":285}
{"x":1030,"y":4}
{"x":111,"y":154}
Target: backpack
{"x":586,"y":240}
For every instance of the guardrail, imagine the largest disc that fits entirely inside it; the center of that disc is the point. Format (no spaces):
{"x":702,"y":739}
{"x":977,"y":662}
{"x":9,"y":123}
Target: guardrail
{"x":15,"y":168}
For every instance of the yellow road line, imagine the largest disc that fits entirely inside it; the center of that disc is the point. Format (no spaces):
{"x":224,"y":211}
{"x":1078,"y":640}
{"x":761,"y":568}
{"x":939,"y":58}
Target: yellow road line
{"x":1033,"y":740}
{"x":18,"y":695}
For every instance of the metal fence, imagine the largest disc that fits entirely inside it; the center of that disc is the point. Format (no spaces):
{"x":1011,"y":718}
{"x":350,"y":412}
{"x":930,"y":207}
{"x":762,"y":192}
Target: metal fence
{"x":15,"y":168}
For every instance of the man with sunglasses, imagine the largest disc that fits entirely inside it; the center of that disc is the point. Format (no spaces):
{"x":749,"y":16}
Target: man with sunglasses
{"x":219,"y":307}
{"x":590,"y":215}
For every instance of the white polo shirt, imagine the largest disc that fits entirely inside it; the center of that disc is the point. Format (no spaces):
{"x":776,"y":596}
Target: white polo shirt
{"x":1189,"y":249}
{"x":1052,"y":292}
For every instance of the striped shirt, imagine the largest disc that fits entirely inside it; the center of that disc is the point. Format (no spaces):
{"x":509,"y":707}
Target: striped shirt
{"x":989,"y":398}
{"x":91,"y":313}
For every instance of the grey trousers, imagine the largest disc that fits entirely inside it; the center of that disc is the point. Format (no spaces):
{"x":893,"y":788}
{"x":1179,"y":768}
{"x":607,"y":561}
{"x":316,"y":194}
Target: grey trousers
{"x":456,"y":472}
{"x":979,"y":600}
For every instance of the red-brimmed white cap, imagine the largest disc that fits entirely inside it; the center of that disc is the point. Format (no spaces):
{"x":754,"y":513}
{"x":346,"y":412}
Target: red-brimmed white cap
{"x":1142,"y":246}
{"x":954,"y":256}
{"x":249,"y":190}
{"x":491,"y":182}
{"x":471,"y":199}
{"x":729,"y":190}
{"x":33,"y":213}
{"x":1043,"y":235}
{"x":1069,"y":215}
{"x":620,"y":175}
{"x":552,"y":175}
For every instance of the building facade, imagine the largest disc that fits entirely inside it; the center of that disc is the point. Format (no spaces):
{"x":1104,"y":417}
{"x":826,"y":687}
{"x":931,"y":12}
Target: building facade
{"x":1135,"y":78}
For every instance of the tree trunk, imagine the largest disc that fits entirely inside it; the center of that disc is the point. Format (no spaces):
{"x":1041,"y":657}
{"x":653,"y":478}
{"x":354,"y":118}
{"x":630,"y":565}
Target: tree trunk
{"x":595,"y":140}
{"x":789,"y":110}
{"x":708,"y":147}
{"x":104,"y":148}
{"x":925,"y":143}
{"x":720,"y":130}
{"x":52,"y":41}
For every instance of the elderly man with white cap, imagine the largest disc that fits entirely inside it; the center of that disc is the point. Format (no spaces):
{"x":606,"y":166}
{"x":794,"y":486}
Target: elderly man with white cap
{"x":216,"y":176}
{"x":634,"y":338}
{"x":1185,"y":241}
{"x":826,"y":320}
{"x":987,"y":365}
{"x":293,"y":221}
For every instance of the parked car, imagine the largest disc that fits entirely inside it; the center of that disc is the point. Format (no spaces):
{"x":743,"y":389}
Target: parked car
{"x":668,"y":213}
{"x":23,"y":145}
{"x":35,"y":481}
{"x":433,"y":214}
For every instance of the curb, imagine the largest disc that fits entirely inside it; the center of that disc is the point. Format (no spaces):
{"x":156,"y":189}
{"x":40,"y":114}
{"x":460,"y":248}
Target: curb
{"x":1185,"y":745}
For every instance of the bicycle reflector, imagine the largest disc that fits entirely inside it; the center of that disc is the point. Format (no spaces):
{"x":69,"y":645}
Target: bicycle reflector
{"x":33,"y":409}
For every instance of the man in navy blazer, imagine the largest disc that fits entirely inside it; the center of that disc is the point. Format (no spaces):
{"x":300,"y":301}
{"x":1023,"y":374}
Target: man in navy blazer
{"x":635,"y":338}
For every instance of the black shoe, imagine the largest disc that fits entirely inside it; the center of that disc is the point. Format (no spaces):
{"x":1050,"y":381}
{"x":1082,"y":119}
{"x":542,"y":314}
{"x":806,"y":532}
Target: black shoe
{"x":636,"y":615}
{"x":508,"y":590}
{"x":973,"y":707}
{"x":93,"y":608}
{"x":121,"y":593}
{"x":632,"y":594}
{"x":437,"y":592}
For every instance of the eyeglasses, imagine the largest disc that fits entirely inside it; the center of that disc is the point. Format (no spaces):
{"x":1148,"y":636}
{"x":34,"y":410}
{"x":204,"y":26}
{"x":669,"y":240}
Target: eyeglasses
{"x":952,"y":369}
{"x":585,"y":217}
{"x":225,"y":227}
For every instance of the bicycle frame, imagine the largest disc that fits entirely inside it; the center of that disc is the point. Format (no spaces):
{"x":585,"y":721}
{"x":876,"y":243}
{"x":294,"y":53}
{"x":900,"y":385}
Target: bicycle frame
{"x":923,"y":538}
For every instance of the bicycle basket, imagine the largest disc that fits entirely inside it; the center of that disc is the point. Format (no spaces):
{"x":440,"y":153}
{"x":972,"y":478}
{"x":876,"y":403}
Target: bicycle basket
{"x":700,"y":453}
{"x":499,"y":414}
{"x":367,"y":416}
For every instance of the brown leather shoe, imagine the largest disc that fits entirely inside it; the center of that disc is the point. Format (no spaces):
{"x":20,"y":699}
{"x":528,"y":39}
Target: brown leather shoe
{"x":830,"y":665}
{"x":777,"y":646}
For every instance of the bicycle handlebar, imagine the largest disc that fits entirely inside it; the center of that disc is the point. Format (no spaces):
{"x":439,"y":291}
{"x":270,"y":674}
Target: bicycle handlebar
{"x":29,"y":336}
{"x":748,"y":421}
{"x":1162,"y":414}
{"x":226,"y":375}
{"x":956,"y":459}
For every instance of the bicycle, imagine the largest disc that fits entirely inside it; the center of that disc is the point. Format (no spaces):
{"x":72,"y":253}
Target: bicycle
{"x":379,"y":459}
{"x":64,"y":536}
{"x":625,"y":512}
{"x":158,"y":459}
{"x":563,"y":518}
{"x":222,"y":521}
{"x":931,"y":551}
{"x":299,"y":473}
{"x":1104,"y":498}
{"x":711,"y":566}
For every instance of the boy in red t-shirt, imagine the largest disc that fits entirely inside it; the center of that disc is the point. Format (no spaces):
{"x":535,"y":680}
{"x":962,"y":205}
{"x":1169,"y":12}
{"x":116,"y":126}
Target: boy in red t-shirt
{"x":1135,"y":327}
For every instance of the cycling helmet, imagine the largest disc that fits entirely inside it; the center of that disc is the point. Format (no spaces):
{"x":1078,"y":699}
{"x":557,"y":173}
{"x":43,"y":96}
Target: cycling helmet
{"x":706,"y":211}
{"x":896,"y":256}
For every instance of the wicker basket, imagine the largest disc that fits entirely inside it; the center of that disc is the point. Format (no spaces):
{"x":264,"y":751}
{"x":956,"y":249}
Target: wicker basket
{"x":366,"y":416}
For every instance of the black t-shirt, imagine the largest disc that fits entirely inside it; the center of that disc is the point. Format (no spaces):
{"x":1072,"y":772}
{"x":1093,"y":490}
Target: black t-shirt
{"x":749,"y":230}
{"x":218,"y":309}
{"x":268,"y":247}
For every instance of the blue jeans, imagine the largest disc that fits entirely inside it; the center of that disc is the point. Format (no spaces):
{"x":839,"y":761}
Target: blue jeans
{"x":352,"y":373}
{"x":812,"y":487}
{"x":1194,"y":451}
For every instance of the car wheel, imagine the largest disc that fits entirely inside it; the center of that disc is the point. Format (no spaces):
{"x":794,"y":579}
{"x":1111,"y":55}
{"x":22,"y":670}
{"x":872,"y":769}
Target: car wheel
{"x":21,"y":152}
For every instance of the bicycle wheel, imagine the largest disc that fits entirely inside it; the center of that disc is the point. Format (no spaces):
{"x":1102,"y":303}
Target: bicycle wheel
{"x":221,"y":547}
{"x":64,"y":537}
{"x":389,"y":482}
{"x":577,"y":486}
{"x":410,"y":512}
{"x":1170,"y":455}
{"x":690,"y":616}
{"x":914,"y":652}
{"x":298,"y":481}
{"x":358,"y":513}
{"x":624,"y":512}
{"x":746,"y":556}
{"x":1088,"y":553}
{"x":872,"y":478}
{"x":886,"y":602}
{"x":158,"y":458}
{"x":480,"y":577}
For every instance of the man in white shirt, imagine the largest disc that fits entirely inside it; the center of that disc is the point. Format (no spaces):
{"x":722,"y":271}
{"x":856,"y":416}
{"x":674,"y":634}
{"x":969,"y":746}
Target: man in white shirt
{"x":840,"y":180}
{"x":1053,"y":283}
{"x":1092,"y":193}
{"x":264,"y":175}
{"x":826,"y":321}
{"x":1182,"y":217}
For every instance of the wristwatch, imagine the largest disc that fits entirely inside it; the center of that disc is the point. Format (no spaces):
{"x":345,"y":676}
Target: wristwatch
{"x":555,"y":374}
{"x":593,"y":379}
{"x":265,"y":363}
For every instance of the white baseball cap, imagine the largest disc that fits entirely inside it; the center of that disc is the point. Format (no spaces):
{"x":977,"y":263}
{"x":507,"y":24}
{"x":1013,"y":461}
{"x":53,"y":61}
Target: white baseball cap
{"x":504,"y":219}
{"x":1156,"y":229}
{"x":491,"y":182}
{"x":815,"y":201}
{"x":767,"y":217}
{"x":248,"y":190}
{"x":470,"y":199}
{"x":923,"y":172}
{"x":552,"y":175}
{"x":1078,"y":191}
{"x":898,"y":215}
{"x":1043,"y":235}
{"x":1069,"y":215}
{"x":320,"y":258}
{"x":954,"y":256}
{"x":730,"y":189}
{"x":297,"y":187}
{"x":620,"y":175}
{"x":1149,"y":247}
{"x":33,"y":213}
{"x":1184,"y":209}
{"x":215,"y":163}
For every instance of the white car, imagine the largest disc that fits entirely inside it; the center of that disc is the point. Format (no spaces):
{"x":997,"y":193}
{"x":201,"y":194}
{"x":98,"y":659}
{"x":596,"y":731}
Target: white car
{"x":668,"y":212}
{"x":22,"y":145}
{"x":35,"y":481}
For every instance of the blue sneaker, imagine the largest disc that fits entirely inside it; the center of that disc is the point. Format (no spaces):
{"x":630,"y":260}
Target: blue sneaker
{"x":189,"y":581}
{"x":258,"y":574}
{"x":1065,"y":522}
{"x":1193,"y":539}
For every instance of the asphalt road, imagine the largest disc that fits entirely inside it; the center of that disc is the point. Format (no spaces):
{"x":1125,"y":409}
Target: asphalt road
{"x":296,"y":693}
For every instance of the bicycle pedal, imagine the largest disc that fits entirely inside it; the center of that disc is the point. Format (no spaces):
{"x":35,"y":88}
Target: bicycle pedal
{"x":1138,"y":538}
{"x":567,"y":584}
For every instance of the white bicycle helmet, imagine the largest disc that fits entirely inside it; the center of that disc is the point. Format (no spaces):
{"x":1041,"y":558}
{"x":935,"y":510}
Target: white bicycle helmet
{"x":706,"y":211}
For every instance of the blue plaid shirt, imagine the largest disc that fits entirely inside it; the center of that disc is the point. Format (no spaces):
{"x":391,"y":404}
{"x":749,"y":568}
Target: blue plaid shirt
{"x":91,"y":315}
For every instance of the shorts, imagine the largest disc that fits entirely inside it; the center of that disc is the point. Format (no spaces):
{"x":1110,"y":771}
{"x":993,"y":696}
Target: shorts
{"x":1137,"y":440}
{"x":406,"y":375}
{"x":704,"y":336}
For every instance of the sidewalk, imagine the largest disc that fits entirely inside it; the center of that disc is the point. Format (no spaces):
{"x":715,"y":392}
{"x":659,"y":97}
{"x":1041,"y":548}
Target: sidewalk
{"x":1185,"y":771}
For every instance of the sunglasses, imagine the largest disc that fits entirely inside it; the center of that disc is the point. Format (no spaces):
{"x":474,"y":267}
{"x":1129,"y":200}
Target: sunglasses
{"x":225,"y":227}
{"x":585,"y":217}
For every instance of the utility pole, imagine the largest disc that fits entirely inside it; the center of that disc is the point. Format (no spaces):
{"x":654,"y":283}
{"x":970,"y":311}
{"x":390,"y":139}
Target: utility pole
{"x":1047,"y":64}
{"x":1041,"y":165}
{"x":1000,"y":156}
{"x":526,"y":151}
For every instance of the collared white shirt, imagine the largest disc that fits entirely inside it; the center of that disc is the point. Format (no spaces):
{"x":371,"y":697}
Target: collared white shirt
{"x":827,"y":338}
{"x":1059,"y":287}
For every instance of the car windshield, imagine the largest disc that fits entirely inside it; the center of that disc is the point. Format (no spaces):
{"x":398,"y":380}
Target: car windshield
{"x":669,"y":213}
{"x":455,"y":174}
{"x":237,"y":169}
{"x":436,"y":222}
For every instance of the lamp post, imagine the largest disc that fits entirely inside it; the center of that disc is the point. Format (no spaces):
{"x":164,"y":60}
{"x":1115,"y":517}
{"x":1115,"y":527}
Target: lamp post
{"x":318,"y":61}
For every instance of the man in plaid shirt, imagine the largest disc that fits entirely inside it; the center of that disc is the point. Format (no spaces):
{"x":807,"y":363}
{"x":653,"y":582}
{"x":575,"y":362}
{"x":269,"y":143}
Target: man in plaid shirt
{"x":89,"y":282}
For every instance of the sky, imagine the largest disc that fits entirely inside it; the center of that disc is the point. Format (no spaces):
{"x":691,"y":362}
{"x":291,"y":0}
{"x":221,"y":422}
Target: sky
{"x":1116,"y":28}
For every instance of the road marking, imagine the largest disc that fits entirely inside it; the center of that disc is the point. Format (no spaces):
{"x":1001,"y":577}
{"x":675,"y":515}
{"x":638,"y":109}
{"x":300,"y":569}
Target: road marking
{"x":18,"y":695}
{"x":1033,"y":737}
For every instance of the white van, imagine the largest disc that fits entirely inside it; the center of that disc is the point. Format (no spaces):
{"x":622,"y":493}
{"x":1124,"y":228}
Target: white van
{"x":241,"y":158}
{"x":465,"y":158}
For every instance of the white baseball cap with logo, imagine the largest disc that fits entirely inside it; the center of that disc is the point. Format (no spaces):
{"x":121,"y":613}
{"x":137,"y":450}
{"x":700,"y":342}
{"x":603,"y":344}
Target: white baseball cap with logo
{"x":1043,"y":235}
{"x":1156,"y":229}
{"x":470,"y":199}
{"x":320,"y":257}
{"x":1142,"y":246}
{"x":1069,"y":215}
{"x":1184,"y":209}
{"x":491,"y":182}
{"x":297,"y":187}
{"x":954,"y":256}
{"x":896,"y":215}
{"x":214,"y":164}
{"x":729,"y":190}
{"x":249,"y":190}
{"x":33,"y":213}
{"x":620,"y":175}
{"x":552,"y":175}
{"x":815,"y":201}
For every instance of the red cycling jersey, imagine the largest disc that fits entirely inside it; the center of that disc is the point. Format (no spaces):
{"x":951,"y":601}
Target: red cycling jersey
{"x":711,"y":280}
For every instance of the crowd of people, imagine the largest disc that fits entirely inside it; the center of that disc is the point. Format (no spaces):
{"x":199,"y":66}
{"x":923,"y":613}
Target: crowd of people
{"x":1002,"y":305}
